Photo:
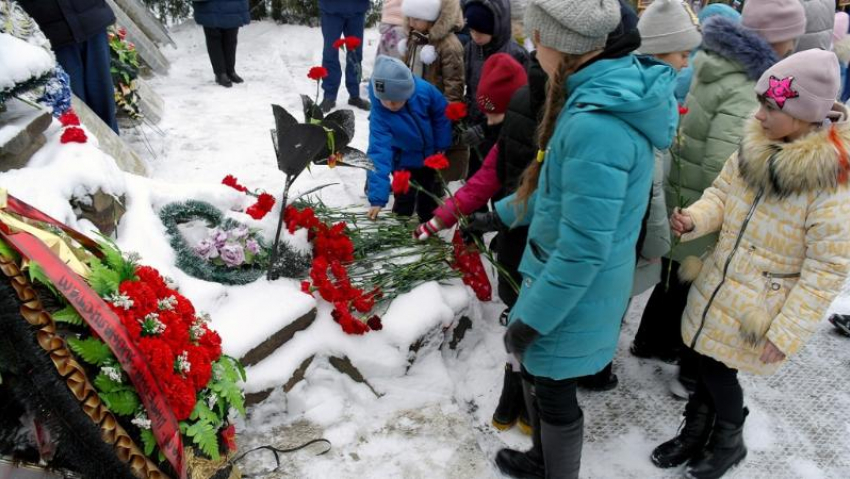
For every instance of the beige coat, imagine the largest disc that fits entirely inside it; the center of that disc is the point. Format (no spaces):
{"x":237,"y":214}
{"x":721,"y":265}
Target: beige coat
{"x":784,"y":247}
{"x":446,"y":72}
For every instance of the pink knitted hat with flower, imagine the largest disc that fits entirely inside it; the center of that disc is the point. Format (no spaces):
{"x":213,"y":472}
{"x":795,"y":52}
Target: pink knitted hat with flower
{"x":804,"y":85}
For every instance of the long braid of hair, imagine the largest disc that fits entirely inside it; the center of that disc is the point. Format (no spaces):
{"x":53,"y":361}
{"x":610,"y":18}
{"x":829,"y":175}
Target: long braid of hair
{"x":556,"y":97}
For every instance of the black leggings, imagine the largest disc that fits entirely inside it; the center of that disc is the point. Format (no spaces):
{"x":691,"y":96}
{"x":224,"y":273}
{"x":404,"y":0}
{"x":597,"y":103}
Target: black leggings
{"x":718,"y":385}
{"x":554,"y":399}
{"x":221,"y":46}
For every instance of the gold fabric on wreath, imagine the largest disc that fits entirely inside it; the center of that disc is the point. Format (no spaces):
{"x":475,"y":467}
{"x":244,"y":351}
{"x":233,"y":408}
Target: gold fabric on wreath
{"x":56,"y":243}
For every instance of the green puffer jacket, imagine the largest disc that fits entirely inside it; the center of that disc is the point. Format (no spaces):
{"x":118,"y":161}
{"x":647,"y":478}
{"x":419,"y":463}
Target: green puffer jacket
{"x":721,"y":98}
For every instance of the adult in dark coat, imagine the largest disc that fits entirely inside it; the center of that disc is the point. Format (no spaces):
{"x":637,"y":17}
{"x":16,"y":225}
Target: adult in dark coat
{"x":342,"y":18}
{"x":77,"y":32}
{"x":221,"y":20}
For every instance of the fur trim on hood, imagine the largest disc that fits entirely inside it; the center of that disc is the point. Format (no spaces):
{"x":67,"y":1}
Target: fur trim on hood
{"x":731,"y":40}
{"x":842,"y":50}
{"x":449,"y":21}
{"x":811,"y":163}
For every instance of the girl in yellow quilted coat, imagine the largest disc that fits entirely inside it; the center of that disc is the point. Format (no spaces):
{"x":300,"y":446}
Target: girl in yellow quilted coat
{"x":782,"y":207}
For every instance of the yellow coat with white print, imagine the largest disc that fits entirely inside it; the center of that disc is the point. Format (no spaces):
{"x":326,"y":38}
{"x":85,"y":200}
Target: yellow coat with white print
{"x":783,"y":212}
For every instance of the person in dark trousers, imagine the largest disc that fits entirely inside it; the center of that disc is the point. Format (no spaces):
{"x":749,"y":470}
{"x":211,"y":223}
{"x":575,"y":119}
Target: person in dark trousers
{"x":77,"y":32}
{"x":342,"y":18}
{"x":221,"y":20}
{"x":489,"y":22}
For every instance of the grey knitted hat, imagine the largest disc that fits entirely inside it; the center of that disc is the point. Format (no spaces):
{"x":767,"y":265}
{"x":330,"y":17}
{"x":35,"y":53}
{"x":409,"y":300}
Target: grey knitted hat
{"x":572,"y":26}
{"x":668,"y":26}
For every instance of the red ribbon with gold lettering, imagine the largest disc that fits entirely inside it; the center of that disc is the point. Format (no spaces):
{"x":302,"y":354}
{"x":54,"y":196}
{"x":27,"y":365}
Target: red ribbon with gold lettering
{"x":104,"y":322}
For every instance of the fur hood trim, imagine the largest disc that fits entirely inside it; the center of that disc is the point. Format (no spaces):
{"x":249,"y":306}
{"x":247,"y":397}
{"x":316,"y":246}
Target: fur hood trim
{"x":731,"y":40}
{"x":809,"y":164}
{"x":842,"y":50}
{"x":449,"y":21}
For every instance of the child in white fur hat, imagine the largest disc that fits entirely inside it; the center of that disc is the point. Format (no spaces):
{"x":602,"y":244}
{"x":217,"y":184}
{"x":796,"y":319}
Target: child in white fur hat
{"x":433,"y":52}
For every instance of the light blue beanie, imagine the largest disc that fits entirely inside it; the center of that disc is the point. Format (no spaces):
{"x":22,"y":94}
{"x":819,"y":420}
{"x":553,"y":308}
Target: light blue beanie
{"x":392,"y":80}
{"x":718,"y":9}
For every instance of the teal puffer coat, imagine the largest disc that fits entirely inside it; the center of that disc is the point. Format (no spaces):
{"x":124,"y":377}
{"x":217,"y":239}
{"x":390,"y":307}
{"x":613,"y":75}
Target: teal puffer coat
{"x":579,"y":262}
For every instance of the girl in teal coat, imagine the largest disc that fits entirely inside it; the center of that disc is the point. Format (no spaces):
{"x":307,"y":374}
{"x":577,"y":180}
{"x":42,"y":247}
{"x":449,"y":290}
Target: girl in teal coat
{"x":584,"y":202}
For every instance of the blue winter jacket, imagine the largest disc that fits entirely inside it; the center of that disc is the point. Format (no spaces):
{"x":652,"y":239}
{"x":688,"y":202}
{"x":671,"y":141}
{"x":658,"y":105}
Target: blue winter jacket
{"x":222,"y":13}
{"x":402,"y":140}
{"x":579,"y":262}
{"x":344,"y":7}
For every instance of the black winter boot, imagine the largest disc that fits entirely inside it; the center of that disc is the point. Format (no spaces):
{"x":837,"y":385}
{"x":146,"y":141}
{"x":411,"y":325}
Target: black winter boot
{"x":724,"y":451}
{"x":510,"y":402}
{"x":604,"y":380}
{"x":529,"y":464}
{"x":693,"y":435}
{"x":223,"y":80}
{"x":562,"y":448}
{"x":234,"y":77}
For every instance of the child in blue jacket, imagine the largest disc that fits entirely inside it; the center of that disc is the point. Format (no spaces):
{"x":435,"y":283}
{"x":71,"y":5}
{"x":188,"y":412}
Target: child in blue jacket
{"x":407,"y":124}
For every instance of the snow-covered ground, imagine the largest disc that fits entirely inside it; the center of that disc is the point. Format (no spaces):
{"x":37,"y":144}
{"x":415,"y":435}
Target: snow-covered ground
{"x":426,"y":414}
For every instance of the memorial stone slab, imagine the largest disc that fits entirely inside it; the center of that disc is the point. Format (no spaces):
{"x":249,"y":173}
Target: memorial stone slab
{"x":22,"y":127}
{"x":110,"y":143}
{"x":145,"y":20}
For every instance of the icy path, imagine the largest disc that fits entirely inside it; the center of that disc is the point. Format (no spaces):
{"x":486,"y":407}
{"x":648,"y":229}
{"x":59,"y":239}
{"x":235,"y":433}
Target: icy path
{"x":434,"y":422}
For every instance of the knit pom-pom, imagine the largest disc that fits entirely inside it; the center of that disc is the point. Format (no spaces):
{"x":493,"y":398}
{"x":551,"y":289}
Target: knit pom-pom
{"x":402,"y":46}
{"x":428,"y":54}
{"x":689,"y":269}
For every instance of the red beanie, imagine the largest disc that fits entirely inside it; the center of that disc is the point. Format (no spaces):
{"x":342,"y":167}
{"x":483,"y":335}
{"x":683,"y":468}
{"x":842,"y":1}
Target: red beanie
{"x":500,"y":78}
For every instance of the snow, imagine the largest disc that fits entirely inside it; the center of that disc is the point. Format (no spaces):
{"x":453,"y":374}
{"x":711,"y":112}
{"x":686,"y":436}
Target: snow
{"x":425,"y":411}
{"x":21,"y":61}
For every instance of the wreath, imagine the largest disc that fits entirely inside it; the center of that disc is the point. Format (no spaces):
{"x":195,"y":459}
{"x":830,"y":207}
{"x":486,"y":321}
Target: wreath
{"x":107,"y":356}
{"x":290,"y":263}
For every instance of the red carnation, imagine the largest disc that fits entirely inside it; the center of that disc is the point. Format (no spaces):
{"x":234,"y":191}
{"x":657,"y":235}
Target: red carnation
{"x":456,"y":111}
{"x":232,"y":182}
{"x":159,"y":356}
{"x":69,"y":118}
{"x":351,"y":43}
{"x":401,"y":182}
{"x":122,"y":33}
{"x":437,"y":162}
{"x":181,"y":395}
{"x":317,"y":73}
{"x":683,"y":110}
{"x":375,"y":323}
{"x":153,"y":280}
{"x":211,"y":341}
{"x":305,"y":287}
{"x":228,"y":437}
{"x":339,"y":43}
{"x":201,"y":370}
{"x":264,"y":204}
{"x":144,"y":298}
{"x":73,"y":134}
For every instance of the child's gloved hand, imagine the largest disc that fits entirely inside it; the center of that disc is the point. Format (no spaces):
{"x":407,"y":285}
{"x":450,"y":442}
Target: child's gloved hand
{"x":519,"y":337}
{"x":480,"y":223}
{"x":428,"y":229}
{"x":472,"y":136}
